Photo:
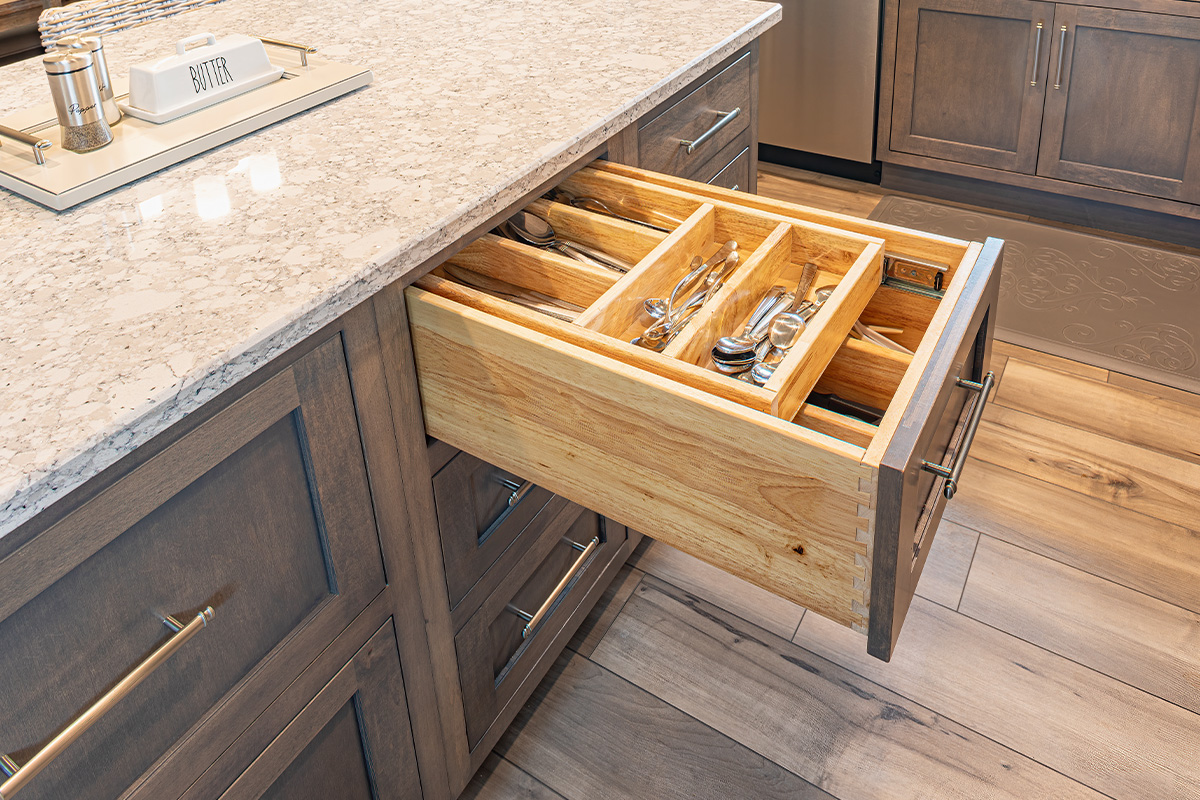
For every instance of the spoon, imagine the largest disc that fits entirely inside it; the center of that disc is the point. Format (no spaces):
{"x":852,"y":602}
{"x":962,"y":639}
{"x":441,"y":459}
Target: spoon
{"x":732,"y":347}
{"x":532,"y":229}
{"x":600,"y":207}
{"x":784,"y":333}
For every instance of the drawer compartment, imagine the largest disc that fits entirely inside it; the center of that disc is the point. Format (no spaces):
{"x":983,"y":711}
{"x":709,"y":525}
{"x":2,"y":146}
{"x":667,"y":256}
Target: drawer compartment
{"x":499,"y":646}
{"x":694,"y":130}
{"x":352,"y":741}
{"x":481,"y":511}
{"x":771,"y":483}
{"x":263,"y":513}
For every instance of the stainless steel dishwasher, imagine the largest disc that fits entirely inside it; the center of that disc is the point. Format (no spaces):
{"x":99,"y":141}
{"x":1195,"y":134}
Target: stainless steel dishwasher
{"x":817,"y":78}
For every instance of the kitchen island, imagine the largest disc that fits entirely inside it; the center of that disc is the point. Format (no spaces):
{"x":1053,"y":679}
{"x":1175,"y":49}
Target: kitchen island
{"x":203,"y":407}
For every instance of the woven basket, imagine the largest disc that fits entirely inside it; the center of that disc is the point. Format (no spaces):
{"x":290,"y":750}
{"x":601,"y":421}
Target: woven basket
{"x":106,"y":16}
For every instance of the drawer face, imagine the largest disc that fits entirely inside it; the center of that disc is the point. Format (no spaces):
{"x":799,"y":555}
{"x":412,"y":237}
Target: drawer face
{"x":493,"y":654}
{"x":481,"y":510}
{"x":662,"y":141}
{"x":772,"y":483}
{"x":255,"y":535}
{"x":352,"y":741}
{"x":735,"y":175}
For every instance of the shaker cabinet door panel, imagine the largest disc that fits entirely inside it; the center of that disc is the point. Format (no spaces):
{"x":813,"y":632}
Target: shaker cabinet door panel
{"x":262,"y":513}
{"x":971,"y":80}
{"x":1123,"y":107}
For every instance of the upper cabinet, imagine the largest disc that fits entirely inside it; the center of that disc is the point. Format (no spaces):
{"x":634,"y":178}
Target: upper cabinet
{"x":1122,"y":109}
{"x":1055,"y":97}
{"x":971,"y":80}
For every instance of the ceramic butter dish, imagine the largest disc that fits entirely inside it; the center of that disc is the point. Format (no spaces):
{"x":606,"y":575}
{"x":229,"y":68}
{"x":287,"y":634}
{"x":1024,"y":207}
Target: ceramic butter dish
{"x":198,"y":76}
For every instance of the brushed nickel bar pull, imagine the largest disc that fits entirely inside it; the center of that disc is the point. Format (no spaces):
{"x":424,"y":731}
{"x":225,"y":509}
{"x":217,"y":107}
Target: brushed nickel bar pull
{"x":953,"y":472}
{"x":304,"y":49}
{"x":1062,"y":51}
{"x":711,"y":132}
{"x":1037,"y":53}
{"x":22,"y":775}
{"x":532,"y":620}
{"x":519,"y":490}
{"x":38,"y":145}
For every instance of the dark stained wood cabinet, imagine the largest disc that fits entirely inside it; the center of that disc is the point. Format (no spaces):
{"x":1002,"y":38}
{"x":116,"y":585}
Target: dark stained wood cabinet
{"x":346,"y":743}
{"x":1123,"y":111}
{"x":971,"y":80}
{"x":1066,"y":98}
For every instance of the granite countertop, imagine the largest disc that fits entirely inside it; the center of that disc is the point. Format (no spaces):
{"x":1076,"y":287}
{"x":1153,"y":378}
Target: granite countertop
{"x":124,"y":314}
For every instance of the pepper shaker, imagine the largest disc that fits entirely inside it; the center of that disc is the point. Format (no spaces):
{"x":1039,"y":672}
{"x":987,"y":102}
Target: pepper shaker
{"x":95,"y":46}
{"x":76,"y":93}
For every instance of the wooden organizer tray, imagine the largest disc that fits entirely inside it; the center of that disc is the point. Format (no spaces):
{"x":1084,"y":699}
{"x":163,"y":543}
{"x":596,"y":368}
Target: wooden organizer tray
{"x":821,"y":508}
{"x":772,"y":252}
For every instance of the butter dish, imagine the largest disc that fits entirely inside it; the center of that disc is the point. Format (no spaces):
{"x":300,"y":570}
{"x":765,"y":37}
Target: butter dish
{"x":198,"y":76}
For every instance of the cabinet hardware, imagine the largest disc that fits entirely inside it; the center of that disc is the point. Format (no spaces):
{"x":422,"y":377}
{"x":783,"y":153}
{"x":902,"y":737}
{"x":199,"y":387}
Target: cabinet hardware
{"x":39,"y":145}
{"x":519,"y":490}
{"x":532,"y":620}
{"x":914,"y":275}
{"x":725,"y":119}
{"x":19,"y":776}
{"x":1037,"y":53}
{"x":954,"y":471}
{"x":1062,"y":50}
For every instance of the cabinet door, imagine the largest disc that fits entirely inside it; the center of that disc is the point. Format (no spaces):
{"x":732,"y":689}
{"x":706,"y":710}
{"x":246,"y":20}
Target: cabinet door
{"x":1123,"y":111}
{"x":971,"y":80}
{"x":352,"y":742}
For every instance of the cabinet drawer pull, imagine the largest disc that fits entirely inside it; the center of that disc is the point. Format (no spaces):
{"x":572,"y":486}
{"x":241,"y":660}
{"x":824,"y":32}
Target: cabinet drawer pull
{"x":519,"y":490}
{"x":1062,"y":51}
{"x":1037,"y":53}
{"x":19,"y":776}
{"x":532,"y":620}
{"x":725,"y":119}
{"x":951,"y":473}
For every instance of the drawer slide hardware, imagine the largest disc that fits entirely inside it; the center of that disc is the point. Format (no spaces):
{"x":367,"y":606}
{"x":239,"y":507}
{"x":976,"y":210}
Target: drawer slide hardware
{"x":18,"y":777}
{"x":726,"y":118}
{"x":914,"y":275}
{"x":952,"y":472}
{"x":534,"y":619}
{"x":519,"y":490}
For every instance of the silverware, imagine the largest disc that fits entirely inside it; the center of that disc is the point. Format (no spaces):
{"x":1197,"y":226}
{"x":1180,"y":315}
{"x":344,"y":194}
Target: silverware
{"x":552,"y":306}
{"x":598,"y":206}
{"x":731,"y":349}
{"x":533,"y":230}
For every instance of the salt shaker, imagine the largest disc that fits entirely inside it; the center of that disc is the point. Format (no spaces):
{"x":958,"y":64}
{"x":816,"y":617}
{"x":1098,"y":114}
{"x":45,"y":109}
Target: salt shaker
{"x":95,"y":46}
{"x":76,"y":93}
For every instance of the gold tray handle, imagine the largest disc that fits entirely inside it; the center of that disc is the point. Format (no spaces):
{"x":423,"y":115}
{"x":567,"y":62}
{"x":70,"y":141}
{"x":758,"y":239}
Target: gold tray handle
{"x":19,"y":776}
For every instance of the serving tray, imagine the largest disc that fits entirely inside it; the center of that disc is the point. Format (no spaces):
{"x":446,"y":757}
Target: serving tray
{"x":140,"y":147}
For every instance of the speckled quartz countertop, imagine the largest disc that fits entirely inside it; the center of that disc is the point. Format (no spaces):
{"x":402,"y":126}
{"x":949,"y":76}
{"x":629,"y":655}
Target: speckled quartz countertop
{"x":121,"y":316}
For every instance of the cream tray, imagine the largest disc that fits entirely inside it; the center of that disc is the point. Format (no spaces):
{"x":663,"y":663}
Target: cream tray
{"x":34,"y":164}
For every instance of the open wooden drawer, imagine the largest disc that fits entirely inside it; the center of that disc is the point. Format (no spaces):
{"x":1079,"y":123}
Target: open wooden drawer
{"x":832,"y":512}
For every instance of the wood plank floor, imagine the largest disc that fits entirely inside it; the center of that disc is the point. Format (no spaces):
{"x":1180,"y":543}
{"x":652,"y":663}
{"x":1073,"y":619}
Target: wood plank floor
{"x":1053,"y":650}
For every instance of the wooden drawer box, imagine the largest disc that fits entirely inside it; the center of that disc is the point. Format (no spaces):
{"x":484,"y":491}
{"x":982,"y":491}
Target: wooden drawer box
{"x":263,"y":513}
{"x":351,"y":742}
{"x":482,"y":510}
{"x":687,"y":135}
{"x":824,"y":509}
{"x":499,"y":646}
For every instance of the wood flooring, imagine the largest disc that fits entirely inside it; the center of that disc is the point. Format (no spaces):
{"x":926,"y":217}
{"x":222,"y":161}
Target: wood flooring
{"x":1053,"y":650}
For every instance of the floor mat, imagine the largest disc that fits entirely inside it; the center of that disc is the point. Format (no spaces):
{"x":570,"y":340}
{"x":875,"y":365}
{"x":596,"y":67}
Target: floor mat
{"x":1115,"y":305}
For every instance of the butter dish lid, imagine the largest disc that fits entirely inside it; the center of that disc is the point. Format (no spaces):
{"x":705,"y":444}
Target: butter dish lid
{"x":203,"y":70}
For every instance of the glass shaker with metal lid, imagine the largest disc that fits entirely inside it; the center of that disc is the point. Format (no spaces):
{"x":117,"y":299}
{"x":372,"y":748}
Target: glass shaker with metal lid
{"x":76,"y":93}
{"x":95,"y":46}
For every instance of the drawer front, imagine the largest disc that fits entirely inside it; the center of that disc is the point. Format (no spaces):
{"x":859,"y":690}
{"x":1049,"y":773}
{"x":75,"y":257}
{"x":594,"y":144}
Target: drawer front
{"x":735,"y":175}
{"x":352,"y":741}
{"x":703,"y":117}
{"x":937,"y":429}
{"x":262,"y":513}
{"x":482,"y":510}
{"x":781,"y":490}
{"x":497,"y":647}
